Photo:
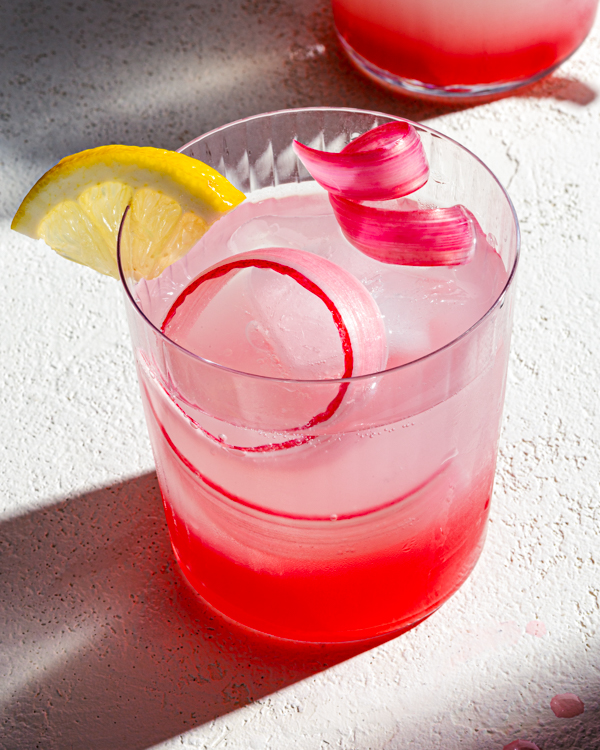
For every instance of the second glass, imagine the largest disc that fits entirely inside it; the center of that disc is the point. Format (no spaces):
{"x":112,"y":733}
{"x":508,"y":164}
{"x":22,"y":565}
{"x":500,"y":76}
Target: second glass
{"x":460,"y":48}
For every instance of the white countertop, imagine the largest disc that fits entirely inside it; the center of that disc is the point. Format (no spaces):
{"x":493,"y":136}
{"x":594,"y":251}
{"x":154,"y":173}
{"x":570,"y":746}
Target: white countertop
{"x":101,"y":646}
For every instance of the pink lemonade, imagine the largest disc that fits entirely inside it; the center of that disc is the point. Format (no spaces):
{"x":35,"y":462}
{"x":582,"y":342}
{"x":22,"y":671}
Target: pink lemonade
{"x":325,"y":421}
{"x":458,"y":44}
{"x":348,"y":526}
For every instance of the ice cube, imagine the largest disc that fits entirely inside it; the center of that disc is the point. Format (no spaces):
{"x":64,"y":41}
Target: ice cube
{"x":425,"y":308}
{"x":261,"y":322}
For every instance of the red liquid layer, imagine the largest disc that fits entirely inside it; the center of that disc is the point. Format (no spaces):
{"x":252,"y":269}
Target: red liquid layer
{"x":370,"y":590}
{"x":417,"y":59}
{"x":335,"y":600}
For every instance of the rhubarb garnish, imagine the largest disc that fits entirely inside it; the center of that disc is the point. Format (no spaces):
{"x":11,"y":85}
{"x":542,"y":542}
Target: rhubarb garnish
{"x":383,"y":164}
{"x":429,"y":237}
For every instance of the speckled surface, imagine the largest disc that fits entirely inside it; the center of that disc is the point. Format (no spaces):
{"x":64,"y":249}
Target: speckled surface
{"x":101,"y":645}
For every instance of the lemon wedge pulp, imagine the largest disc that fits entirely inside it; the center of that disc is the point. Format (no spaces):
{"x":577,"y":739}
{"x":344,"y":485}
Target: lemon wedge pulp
{"x":78,"y":205}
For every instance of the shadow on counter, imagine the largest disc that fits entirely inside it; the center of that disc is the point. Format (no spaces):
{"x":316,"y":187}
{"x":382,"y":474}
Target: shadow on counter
{"x":103,"y":646}
{"x":151,"y":74}
{"x":102,"y":642}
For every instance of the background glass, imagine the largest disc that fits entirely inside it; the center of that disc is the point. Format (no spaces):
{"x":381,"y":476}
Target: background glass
{"x":460,"y":48}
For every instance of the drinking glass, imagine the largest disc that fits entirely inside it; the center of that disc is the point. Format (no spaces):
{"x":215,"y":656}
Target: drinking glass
{"x":453,"y":49}
{"x":359,"y":523}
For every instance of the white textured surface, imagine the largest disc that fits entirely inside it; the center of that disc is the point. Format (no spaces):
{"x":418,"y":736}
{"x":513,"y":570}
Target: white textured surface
{"x":100,"y":644}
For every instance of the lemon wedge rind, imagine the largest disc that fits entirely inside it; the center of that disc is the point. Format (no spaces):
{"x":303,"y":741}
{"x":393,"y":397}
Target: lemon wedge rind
{"x":193,"y":184}
{"x":78,"y":205}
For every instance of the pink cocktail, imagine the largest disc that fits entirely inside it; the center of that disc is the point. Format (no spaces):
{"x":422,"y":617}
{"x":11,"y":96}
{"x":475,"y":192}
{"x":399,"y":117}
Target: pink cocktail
{"x":461,"y":48}
{"x":305,"y":500}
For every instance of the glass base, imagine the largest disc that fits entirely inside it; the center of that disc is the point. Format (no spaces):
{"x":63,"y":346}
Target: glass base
{"x":422,"y":90}
{"x":360,"y":642}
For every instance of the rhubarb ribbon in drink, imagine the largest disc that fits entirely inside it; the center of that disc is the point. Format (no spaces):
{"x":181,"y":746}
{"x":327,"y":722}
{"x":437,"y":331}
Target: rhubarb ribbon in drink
{"x":427,"y":237}
{"x":305,"y":317}
{"x":384,"y":164}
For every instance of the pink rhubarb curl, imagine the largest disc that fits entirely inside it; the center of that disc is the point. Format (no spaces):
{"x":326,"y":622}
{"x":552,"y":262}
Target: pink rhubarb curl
{"x":427,"y":237}
{"x":382,"y":164}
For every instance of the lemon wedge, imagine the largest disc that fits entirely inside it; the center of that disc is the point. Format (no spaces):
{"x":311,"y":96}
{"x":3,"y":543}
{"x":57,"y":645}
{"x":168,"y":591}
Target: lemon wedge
{"x":78,"y":205}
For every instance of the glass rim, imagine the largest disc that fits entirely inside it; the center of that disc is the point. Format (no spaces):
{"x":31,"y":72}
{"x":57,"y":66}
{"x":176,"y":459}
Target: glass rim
{"x":353,"y":378}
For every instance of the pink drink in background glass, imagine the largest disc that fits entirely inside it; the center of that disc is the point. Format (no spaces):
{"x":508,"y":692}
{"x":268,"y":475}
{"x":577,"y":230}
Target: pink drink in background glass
{"x":363,"y":522}
{"x":461,"y":47}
